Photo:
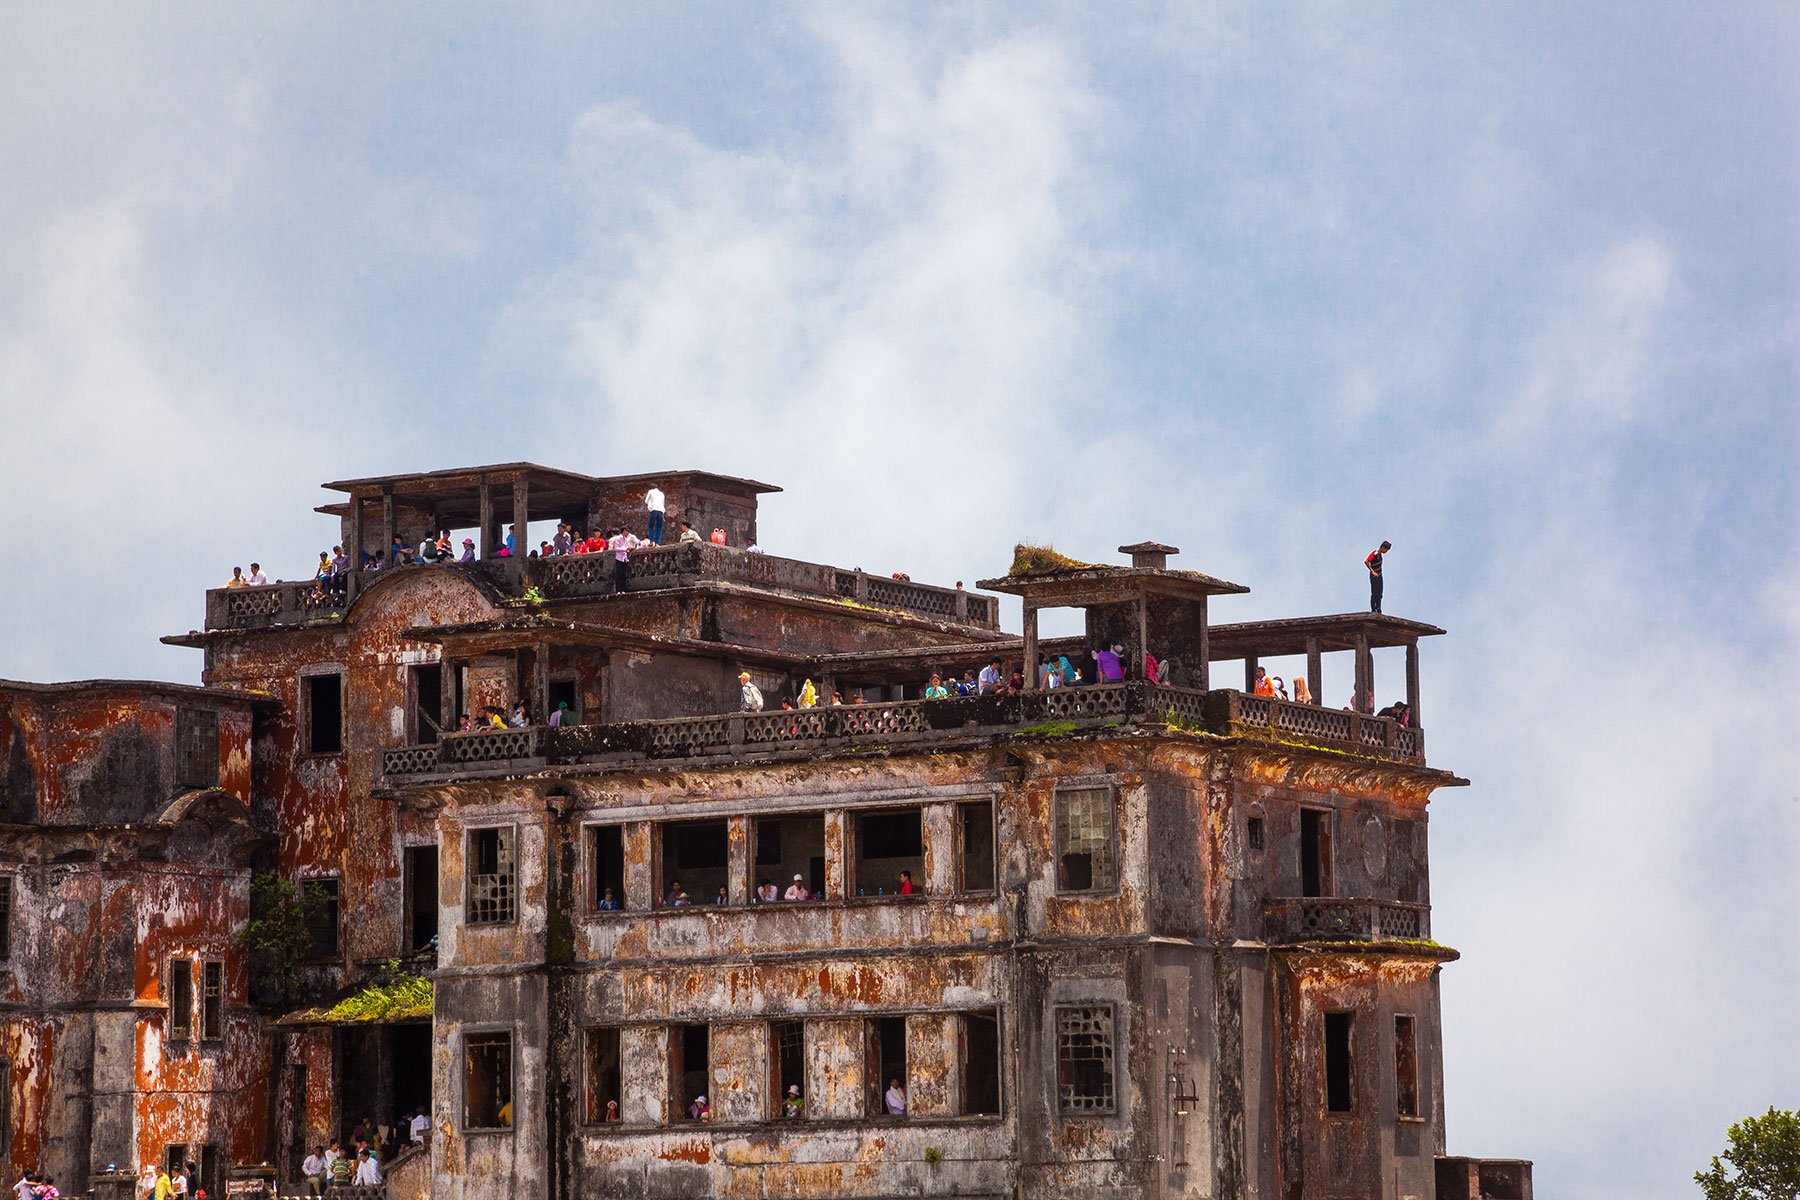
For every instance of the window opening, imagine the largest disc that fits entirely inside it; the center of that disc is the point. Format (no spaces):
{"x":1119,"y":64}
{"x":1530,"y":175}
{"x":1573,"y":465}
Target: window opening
{"x":5,"y":1107}
{"x":981,"y":1064}
{"x":322,"y":917}
{"x":1254,"y":833}
{"x":206,"y":1158}
{"x":1315,"y":852}
{"x":428,"y":703}
{"x":564,"y":691}
{"x":181,"y":1000}
{"x":690,"y":1070}
{"x":607,"y":846}
{"x":6,"y":914}
{"x":492,"y":894}
{"x":197,"y":747}
{"x":787,"y":1068}
{"x":603,"y":1076}
{"x":1339,"y":1085}
{"x":886,"y":1066}
{"x":421,"y":896}
{"x":695,"y":856}
{"x":890,"y":853}
{"x":212,"y":1001}
{"x":976,"y":865}
{"x":1084,"y":840}
{"x":1084,"y":1058}
{"x":325,"y":714}
{"x":1406,"y":1068}
{"x":785,"y":847}
{"x":487,"y":1080}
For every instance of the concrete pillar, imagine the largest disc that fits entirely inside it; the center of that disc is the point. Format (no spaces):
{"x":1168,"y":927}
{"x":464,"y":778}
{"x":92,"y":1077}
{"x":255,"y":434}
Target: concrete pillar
{"x":940,"y":849}
{"x":387,"y":525}
{"x":1365,"y":675}
{"x":644,"y":1074}
{"x":836,"y":1051}
{"x":737,"y":860}
{"x":931,"y":1064}
{"x":1251,"y":662}
{"x":521,"y":535}
{"x":1205,"y":648}
{"x":837,"y":853}
{"x":1031,"y":651}
{"x":740,"y":1072}
{"x":1315,"y":671}
{"x":487,"y":520}
{"x":354,"y":551}
{"x":1141,"y":667}
{"x":1412,"y":682}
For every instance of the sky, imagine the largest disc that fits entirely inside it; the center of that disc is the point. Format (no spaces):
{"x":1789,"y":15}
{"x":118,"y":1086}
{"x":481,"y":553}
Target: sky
{"x":1513,"y":287}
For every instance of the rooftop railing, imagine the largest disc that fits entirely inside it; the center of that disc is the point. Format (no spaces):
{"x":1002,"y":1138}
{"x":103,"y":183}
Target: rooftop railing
{"x":575,"y":575}
{"x":1058,"y":710}
{"x":1291,"y":919}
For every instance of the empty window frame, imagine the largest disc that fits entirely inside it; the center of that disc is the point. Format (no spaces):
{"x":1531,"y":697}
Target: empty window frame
{"x":196,"y":747}
{"x":427,"y":691}
{"x":324,"y":713}
{"x":1406,"y":1067}
{"x":980,"y":1063}
{"x":885,"y":1062}
{"x":323,"y":905}
{"x":487,"y":1079}
{"x":787,"y":1066}
{"x":1339,"y":1063}
{"x":212,"y":1001}
{"x":1086,"y":837}
{"x":1315,"y":852}
{"x":492,"y":876}
{"x":181,"y":1000}
{"x":6,"y":917}
{"x":1253,"y":834}
{"x":690,"y":1069}
{"x":975,"y":835}
{"x":696,"y":855}
{"x":890,"y":851}
{"x":606,"y":866}
{"x":1084,"y":1059}
{"x":421,"y":896}
{"x":601,"y":1051}
{"x":787,"y":846}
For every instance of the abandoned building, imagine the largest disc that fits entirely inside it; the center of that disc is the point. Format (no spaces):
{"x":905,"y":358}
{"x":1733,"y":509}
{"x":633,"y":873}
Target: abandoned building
{"x":1156,"y":937}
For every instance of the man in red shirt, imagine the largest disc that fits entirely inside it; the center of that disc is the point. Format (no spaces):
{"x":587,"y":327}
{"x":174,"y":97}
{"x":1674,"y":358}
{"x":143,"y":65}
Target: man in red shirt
{"x":1373,"y":563}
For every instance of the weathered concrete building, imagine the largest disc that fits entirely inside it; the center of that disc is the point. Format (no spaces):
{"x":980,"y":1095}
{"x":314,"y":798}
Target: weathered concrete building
{"x":1156,"y":937}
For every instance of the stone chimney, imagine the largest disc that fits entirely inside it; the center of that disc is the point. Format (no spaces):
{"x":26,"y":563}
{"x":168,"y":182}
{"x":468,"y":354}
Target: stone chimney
{"x":1154,"y":555}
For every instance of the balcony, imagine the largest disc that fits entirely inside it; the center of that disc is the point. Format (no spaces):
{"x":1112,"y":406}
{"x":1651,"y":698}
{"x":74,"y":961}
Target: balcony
{"x":883,"y":722}
{"x":585,"y":575}
{"x":1292,"y":919}
{"x":1284,"y":720}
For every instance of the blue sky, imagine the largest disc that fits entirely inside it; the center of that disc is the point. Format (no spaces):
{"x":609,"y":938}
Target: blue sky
{"x":1513,"y":287}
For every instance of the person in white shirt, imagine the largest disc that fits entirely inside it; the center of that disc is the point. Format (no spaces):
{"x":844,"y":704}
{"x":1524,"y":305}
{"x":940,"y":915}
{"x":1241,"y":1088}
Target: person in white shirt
{"x":316,"y":1170}
{"x":689,"y":534}
{"x":991,"y":680}
{"x":257,"y":578}
{"x":621,"y":543}
{"x":896,"y":1099}
{"x":797,"y":890}
{"x":653,"y":500}
{"x":420,"y":1124}
{"x":368,"y":1171}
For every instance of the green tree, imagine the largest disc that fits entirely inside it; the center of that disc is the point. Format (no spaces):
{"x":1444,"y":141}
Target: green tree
{"x":1762,"y":1161}
{"x":278,"y":935}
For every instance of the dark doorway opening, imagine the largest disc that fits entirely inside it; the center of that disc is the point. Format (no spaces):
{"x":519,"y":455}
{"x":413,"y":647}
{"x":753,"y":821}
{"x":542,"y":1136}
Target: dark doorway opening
{"x":981,"y":1064}
{"x":690,"y":1062}
{"x":1339,"y":1087}
{"x":976,"y":869}
{"x":886,"y":1060}
{"x":787,"y":1066}
{"x":421,"y":896}
{"x":428,"y":703}
{"x":564,"y":691}
{"x":1315,"y":852}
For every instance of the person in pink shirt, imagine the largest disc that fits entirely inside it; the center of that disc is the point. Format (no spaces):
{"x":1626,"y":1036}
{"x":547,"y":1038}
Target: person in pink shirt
{"x":621,"y":542}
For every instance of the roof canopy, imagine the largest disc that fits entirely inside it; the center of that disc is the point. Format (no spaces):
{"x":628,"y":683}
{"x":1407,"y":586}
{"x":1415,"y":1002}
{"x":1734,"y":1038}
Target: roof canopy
{"x":1085,"y":586}
{"x":1295,"y":635}
{"x":455,"y":494}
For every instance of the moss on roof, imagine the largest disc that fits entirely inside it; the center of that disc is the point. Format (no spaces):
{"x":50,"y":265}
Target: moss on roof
{"x":1031,"y":560}
{"x":403,"y":998}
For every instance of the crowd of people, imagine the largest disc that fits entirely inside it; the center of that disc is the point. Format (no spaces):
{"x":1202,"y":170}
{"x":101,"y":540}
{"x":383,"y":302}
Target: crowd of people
{"x":34,"y":1185}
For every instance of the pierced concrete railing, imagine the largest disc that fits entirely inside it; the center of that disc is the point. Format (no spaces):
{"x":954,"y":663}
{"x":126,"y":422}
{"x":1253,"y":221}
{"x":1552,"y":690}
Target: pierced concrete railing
{"x":307,"y":600}
{"x":1311,"y":723}
{"x":882,"y":721}
{"x":1331,"y":919}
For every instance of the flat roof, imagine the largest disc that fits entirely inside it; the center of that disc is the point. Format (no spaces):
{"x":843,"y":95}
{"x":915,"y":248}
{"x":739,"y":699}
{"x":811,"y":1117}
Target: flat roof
{"x":147,"y":686}
{"x":433,"y":481}
{"x":1289,"y":635}
{"x":1083,"y":581}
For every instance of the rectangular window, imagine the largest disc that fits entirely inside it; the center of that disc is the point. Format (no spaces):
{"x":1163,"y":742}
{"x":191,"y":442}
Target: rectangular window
{"x":690,"y":1069}
{"x":427,"y":703}
{"x":1084,"y":840}
{"x":564,"y":691}
{"x":212,"y":1001}
{"x":981,"y":1064}
{"x":6,"y":911}
{"x":1340,"y":1089}
{"x":890,"y":853}
{"x":322,"y":909}
{"x":421,"y":896}
{"x":606,"y":850}
{"x":487,"y":1080}
{"x":603,"y":1076}
{"x":1084,"y":1059}
{"x":885,"y":1062}
{"x":787,"y":1068}
{"x":324,"y":714}
{"x":196,"y":747}
{"x":786,"y":847}
{"x":1315,"y":852}
{"x":975,"y":866}
{"x":492,"y":896}
{"x":1406,"y":1068}
{"x":695,"y":861}
{"x":1253,"y":833}
{"x":181,"y":1000}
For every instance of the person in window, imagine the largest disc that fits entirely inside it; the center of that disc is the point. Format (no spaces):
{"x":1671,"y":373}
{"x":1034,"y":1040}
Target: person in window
{"x":809,"y":695}
{"x":721,"y":899}
{"x":1107,"y":668}
{"x":699,"y":1110}
{"x":967,"y":685}
{"x":506,"y":1112}
{"x":797,"y":890}
{"x":608,"y":901}
{"x":906,"y":884}
{"x":992,"y":679}
{"x":521,"y":715}
{"x":895,"y":1098}
{"x":678,"y":897}
{"x":935,"y":690}
{"x":612,"y":1113}
{"x":767,"y":892}
{"x":793,"y":1105}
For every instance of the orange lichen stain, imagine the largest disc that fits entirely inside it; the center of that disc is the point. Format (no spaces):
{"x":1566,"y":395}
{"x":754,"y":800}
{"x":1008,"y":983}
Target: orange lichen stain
{"x":694,"y":1151}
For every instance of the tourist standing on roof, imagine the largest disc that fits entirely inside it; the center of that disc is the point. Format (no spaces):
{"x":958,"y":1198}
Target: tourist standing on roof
{"x":622,"y":542}
{"x":653,"y":500}
{"x":1373,"y":563}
